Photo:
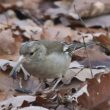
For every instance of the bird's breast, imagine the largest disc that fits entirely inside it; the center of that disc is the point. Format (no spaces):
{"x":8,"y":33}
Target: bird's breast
{"x":52,"y":66}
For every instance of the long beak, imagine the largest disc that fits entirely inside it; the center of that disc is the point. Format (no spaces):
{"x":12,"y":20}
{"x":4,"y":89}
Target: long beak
{"x":14,"y":71}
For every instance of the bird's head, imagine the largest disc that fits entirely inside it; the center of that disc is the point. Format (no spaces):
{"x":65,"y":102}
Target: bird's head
{"x":27,"y":52}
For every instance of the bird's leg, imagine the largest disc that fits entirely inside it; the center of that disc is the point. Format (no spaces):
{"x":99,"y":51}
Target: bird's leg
{"x":41,"y":84}
{"x":40,"y":87}
{"x":59,"y":79}
{"x":20,"y":83}
{"x":55,"y":85}
{"x":26,"y":74}
{"x":22,"y":89}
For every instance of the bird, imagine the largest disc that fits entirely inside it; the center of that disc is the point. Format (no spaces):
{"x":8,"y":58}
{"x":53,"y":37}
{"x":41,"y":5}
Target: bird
{"x":45,"y":59}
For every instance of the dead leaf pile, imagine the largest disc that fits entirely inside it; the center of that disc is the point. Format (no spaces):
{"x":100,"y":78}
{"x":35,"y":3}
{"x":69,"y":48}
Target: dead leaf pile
{"x":85,"y":86}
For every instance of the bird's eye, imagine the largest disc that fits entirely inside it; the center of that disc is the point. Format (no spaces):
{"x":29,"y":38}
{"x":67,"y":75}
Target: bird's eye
{"x":31,"y":53}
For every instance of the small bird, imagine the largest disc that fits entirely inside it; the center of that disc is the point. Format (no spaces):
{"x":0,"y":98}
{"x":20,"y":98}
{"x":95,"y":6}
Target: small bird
{"x":45,"y":59}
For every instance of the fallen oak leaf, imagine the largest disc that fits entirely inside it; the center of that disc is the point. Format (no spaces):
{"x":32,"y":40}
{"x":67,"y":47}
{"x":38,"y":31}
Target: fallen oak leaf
{"x":103,"y":41}
{"x":7,"y":42}
{"x":24,"y":104}
{"x":75,"y":96}
{"x":40,"y":101}
{"x":98,"y":92}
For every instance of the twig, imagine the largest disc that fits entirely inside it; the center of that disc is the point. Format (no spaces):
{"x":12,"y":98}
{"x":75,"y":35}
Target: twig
{"x":88,"y":58}
{"x":79,"y":72}
{"x":84,"y":41}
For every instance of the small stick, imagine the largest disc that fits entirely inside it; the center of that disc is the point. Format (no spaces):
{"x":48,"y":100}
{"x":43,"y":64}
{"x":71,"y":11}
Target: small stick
{"x":84,"y":42}
{"x":88,"y":58}
{"x":79,"y":71}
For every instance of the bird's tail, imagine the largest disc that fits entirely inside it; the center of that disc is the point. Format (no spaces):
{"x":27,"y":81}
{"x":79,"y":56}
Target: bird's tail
{"x":76,"y":46}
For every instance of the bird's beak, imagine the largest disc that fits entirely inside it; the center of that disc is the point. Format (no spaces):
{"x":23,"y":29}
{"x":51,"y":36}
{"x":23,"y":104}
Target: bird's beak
{"x":14,"y":71}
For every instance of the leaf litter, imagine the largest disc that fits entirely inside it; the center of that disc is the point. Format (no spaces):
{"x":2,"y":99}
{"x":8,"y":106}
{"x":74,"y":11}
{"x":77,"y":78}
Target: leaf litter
{"x":22,"y":21}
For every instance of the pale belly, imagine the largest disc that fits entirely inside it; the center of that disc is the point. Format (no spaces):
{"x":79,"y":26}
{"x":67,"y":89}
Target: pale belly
{"x":53,"y":66}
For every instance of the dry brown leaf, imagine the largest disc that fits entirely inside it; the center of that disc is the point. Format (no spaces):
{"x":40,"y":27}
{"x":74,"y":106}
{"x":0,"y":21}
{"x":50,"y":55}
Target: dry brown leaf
{"x":9,"y":46}
{"x":29,"y":29}
{"x":103,"y":39}
{"x":1,"y":8}
{"x":15,"y":101}
{"x":92,"y":8}
{"x":64,"y":9}
{"x":25,"y":104}
{"x":3,"y":95}
{"x":96,"y":57}
{"x":98,"y":93}
{"x":100,"y":21}
{"x":60,"y":33}
{"x":104,"y":42}
{"x":7,"y":85}
{"x":7,"y":43}
{"x":82,"y":74}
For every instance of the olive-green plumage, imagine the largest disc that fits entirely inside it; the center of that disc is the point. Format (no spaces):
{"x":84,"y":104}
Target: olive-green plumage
{"x":45,"y":59}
